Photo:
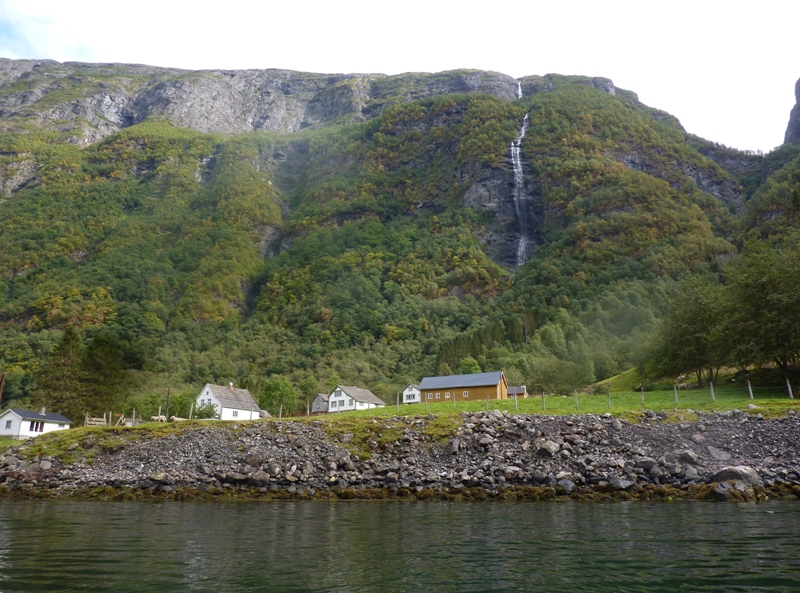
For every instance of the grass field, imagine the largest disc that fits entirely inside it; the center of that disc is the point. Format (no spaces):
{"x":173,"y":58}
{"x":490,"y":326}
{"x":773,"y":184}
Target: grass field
{"x":622,"y":404}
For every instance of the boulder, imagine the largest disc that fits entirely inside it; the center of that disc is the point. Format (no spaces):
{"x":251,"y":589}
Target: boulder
{"x":688,"y":457}
{"x":546,"y":448}
{"x":718,"y":454}
{"x":741,"y":473}
{"x":567,"y":485}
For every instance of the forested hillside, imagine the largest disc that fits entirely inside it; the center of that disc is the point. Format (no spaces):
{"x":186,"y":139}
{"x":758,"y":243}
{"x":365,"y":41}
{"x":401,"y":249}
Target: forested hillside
{"x":372,"y":243}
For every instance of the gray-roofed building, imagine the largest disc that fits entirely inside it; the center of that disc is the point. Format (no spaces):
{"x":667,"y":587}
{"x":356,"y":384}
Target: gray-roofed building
{"x":518,"y":390}
{"x":231,"y":403}
{"x":464,"y":387}
{"x":20,"y":424}
{"x":346,"y":398}
{"x":320,"y":404}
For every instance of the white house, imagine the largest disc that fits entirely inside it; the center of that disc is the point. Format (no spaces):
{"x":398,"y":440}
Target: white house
{"x":231,"y":403}
{"x":21,"y":424}
{"x":411,"y":394}
{"x":346,"y":398}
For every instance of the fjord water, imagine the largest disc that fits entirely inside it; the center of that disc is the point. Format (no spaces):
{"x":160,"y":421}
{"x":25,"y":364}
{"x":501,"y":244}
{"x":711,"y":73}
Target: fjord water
{"x":388,"y":547}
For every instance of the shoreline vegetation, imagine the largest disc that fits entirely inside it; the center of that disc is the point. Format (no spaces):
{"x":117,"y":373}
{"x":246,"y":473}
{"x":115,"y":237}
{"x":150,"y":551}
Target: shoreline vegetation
{"x":445,"y":455}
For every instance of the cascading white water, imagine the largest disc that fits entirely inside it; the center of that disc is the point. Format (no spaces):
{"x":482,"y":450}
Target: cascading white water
{"x":519,"y":90}
{"x":519,"y":193}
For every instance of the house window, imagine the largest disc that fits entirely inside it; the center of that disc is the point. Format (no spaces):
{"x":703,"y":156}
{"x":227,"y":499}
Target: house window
{"x":8,"y":423}
{"x":62,"y":425}
{"x":466,"y":394}
{"x":351,"y":402}
{"x":447,"y":395}
{"x":235,"y":413}
{"x":37,"y":426}
{"x":430,"y":396}
{"x":437,"y":396}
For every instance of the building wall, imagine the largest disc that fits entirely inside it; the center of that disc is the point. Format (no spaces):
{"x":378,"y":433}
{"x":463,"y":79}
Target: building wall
{"x":319,"y":406}
{"x":206,"y":396}
{"x":22,"y":428}
{"x":474,"y":393}
{"x":239,"y":414}
{"x":411,"y":396}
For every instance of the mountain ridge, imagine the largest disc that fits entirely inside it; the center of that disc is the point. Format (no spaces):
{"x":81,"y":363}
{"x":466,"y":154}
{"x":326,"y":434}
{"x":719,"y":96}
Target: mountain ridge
{"x":371,"y":236}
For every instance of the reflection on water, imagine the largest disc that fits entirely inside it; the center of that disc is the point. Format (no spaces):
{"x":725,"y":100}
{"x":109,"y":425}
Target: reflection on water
{"x":395,"y":547}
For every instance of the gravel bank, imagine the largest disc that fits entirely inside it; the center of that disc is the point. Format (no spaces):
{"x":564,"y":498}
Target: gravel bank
{"x":728,"y":456}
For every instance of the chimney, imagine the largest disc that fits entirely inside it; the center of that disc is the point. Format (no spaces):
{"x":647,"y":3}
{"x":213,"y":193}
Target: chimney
{"x":43,"y":411}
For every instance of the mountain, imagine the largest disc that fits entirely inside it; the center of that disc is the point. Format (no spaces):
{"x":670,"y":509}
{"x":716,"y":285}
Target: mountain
{"x":236,"y":225}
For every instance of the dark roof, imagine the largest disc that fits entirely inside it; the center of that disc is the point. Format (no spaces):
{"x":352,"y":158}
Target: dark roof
{"x":232,"y":397}
{"x":322,"y":397}
{"x":28,"y":415}
{"x":362,"y":395}
{"x":452,"y":381}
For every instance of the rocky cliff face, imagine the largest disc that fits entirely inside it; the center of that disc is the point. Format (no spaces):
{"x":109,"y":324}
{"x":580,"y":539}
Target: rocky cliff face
{"x":793,"y":129}
{"x":96,"y":100}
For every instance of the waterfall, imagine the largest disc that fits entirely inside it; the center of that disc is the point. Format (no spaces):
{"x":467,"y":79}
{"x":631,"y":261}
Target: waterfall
{"x":519,"y":194}
{"x":519,"y":90}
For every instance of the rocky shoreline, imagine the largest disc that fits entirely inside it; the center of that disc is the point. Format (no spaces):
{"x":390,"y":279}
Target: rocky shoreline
{"x":733,"y":456}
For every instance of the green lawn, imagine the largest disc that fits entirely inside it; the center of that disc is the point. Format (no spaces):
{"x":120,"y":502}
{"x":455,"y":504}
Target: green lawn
{"x":622,"y":404}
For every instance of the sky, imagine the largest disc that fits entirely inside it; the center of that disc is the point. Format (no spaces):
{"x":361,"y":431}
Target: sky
{"x":725,"y":69}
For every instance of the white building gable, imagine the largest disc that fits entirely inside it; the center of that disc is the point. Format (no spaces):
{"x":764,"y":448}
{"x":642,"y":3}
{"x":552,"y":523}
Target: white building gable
{"x":411,"y":395}
{"x":231,"y":403}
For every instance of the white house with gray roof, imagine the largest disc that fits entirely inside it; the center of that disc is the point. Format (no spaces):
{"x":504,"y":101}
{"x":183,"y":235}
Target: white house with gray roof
{"x":231,"y":403}
{"x":22,"y":424}
{"x":346,"y":399}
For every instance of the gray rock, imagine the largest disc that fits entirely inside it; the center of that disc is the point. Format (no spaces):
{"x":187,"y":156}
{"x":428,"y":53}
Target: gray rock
{"x":793,"y":129}
{"x":688,"y":456}
{"x":718,"y":454}
{"x":567,"y":485}
{"x":741,"y":473}
{"x":621,"y":483}
{"x":546,"y":448}
{"x":258,"y":479}
{"x":253,"y":460}
{"x":45,"y":465}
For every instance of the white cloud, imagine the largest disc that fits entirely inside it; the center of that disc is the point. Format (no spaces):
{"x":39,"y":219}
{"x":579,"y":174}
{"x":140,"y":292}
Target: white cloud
{"x":726,"y":70}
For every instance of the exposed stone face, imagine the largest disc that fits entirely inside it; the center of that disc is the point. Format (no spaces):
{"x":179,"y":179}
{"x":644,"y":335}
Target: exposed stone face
{"x":95,"y":100}
{"x":17,"y":174}
{"x":493,"y":190}
{"x":793,"y":129}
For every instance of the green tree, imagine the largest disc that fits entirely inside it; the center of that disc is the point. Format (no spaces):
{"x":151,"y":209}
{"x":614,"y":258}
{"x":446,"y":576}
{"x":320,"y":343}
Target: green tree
{"x":60,"y":381}
{"x":764,"y":288}
{"x":469,"y":365}
{"x":692,"y":333}
{"x":104,"y":386}
{"x":309,"y":389}
{"x":278,"y":394}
